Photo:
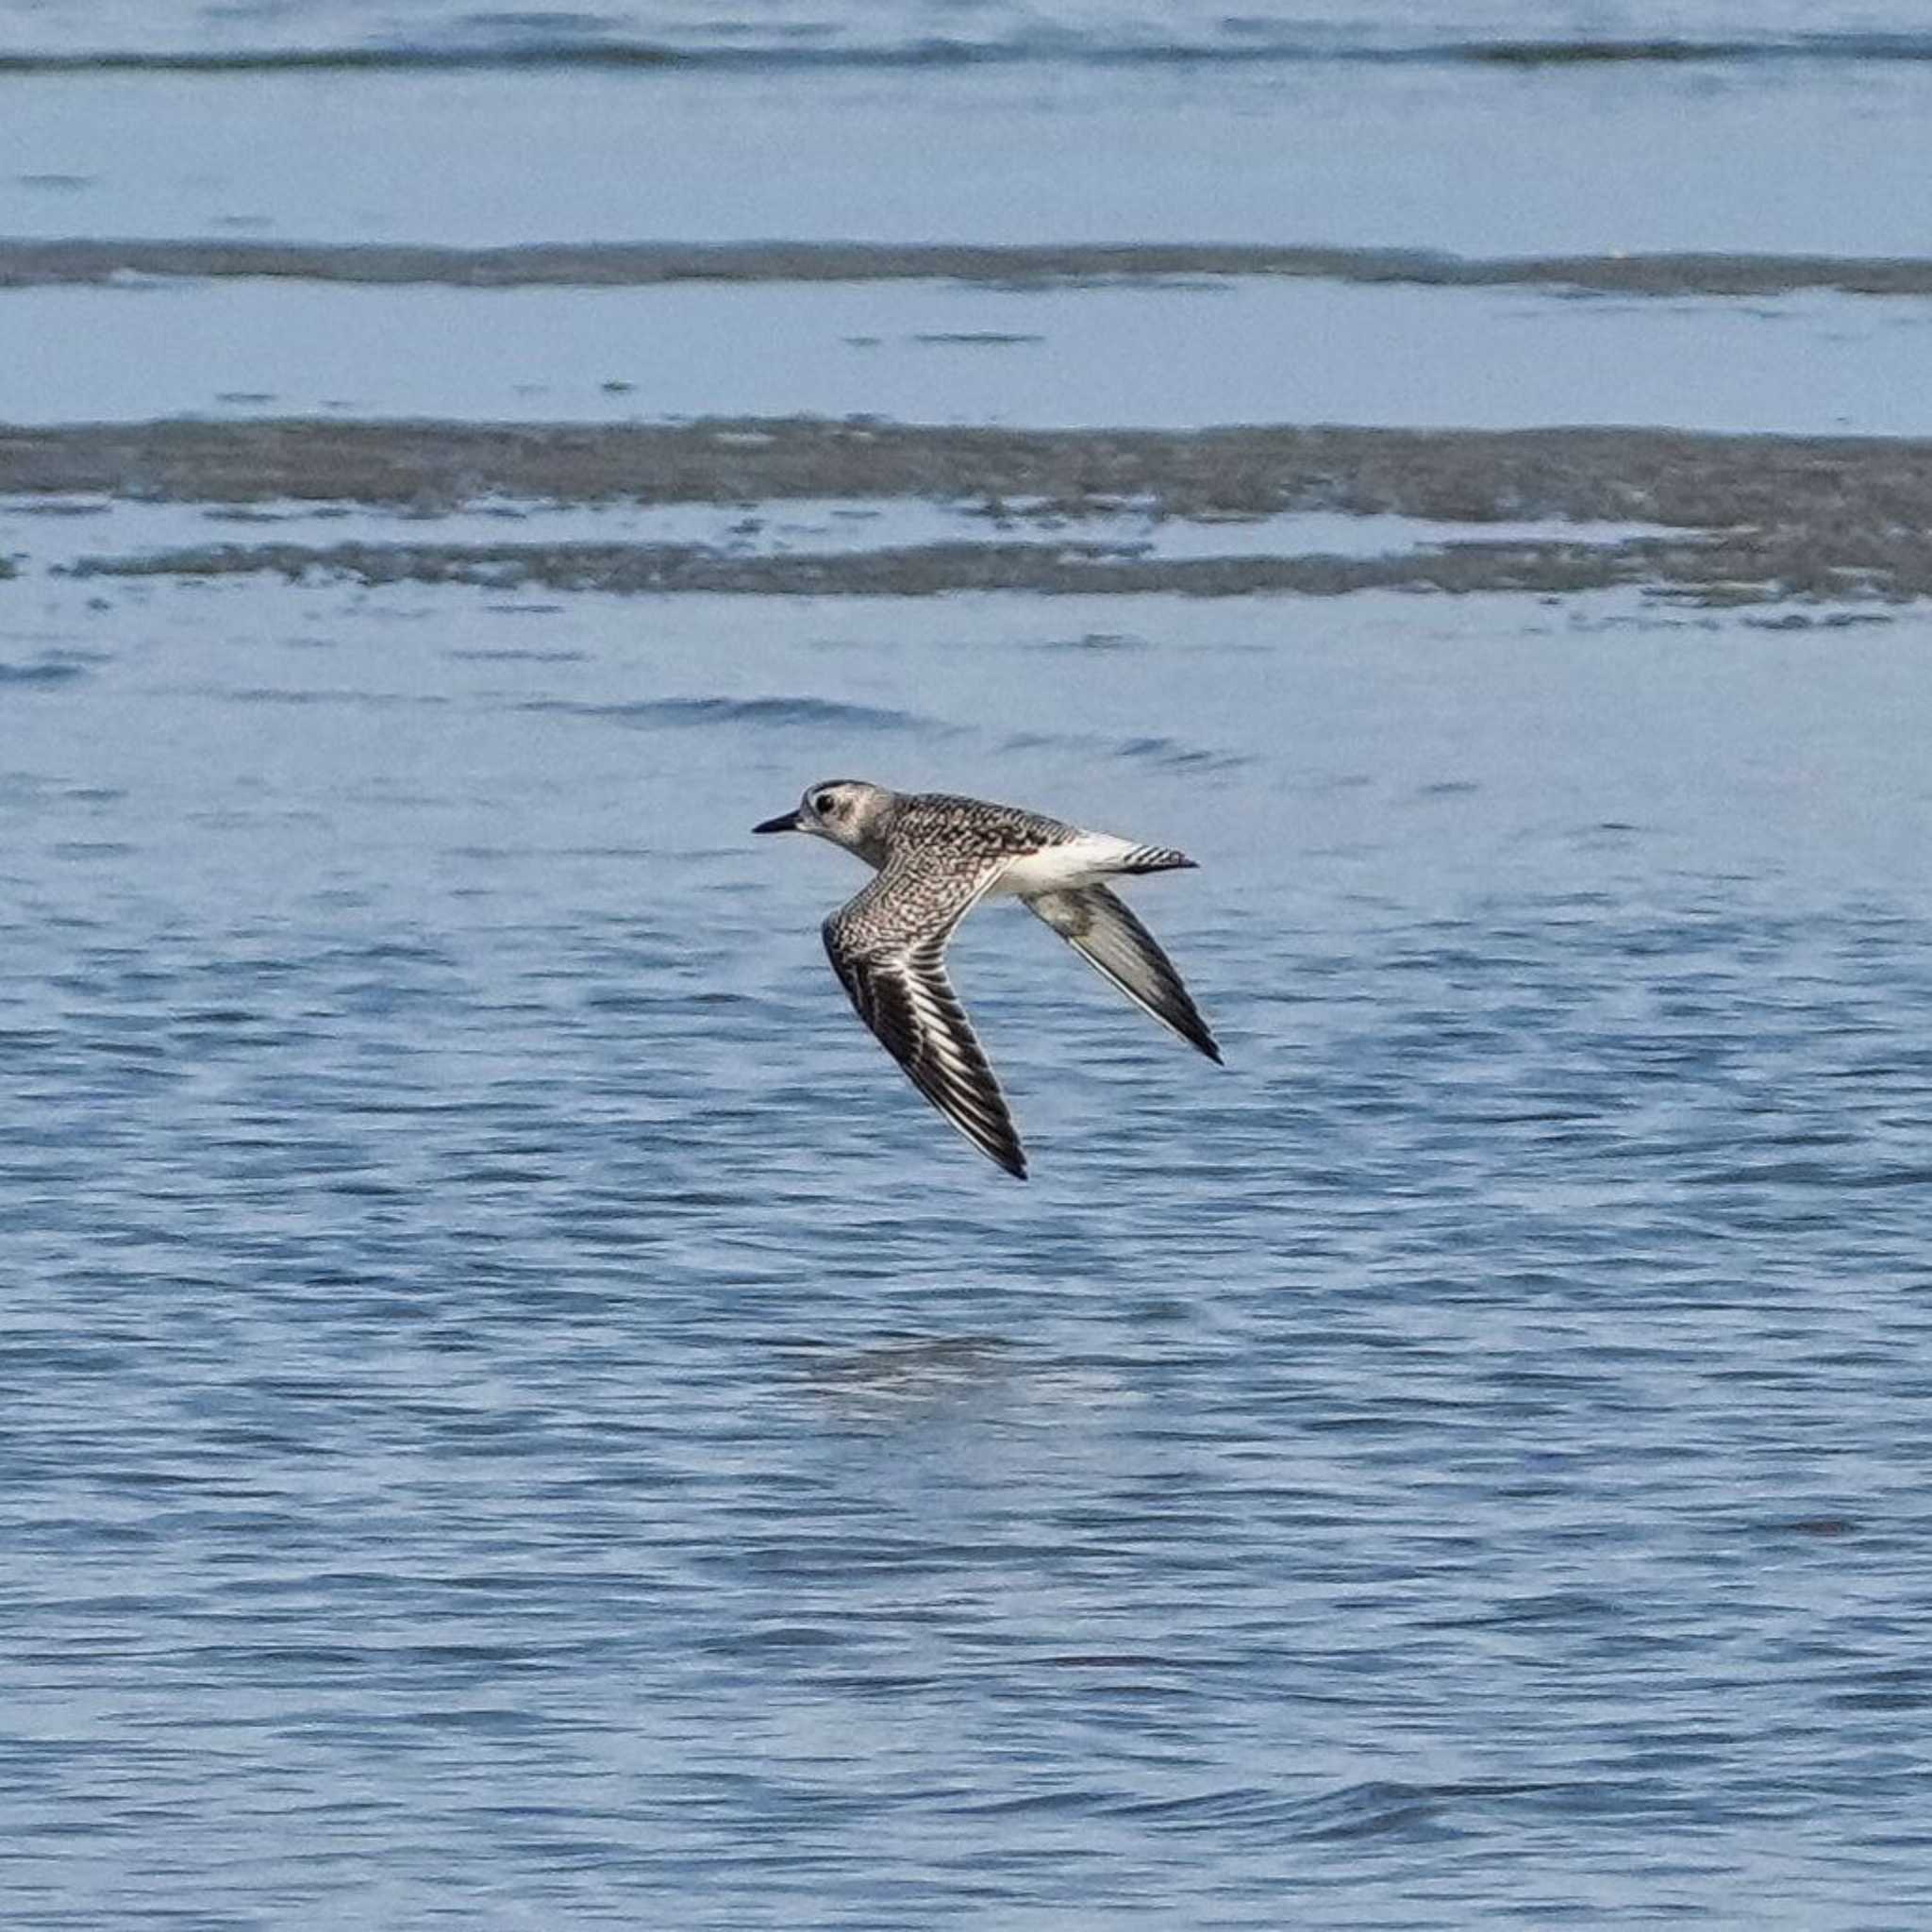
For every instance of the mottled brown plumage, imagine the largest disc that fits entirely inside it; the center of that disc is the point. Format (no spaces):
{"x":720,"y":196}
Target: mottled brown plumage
{"x":938,"y":856}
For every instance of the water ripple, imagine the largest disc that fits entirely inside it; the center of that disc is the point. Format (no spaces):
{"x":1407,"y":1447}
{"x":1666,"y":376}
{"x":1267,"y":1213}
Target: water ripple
{"x":43,"y":670}
{"x":803,"y":713}
{"x":511,"y":1403}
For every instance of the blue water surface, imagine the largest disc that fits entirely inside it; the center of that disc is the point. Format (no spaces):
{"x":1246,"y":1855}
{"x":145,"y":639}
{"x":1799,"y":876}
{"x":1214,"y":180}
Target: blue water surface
{"x":513,"y":1413}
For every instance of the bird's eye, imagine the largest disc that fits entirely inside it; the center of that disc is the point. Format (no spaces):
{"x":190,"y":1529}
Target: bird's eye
{"x":825,"y":802}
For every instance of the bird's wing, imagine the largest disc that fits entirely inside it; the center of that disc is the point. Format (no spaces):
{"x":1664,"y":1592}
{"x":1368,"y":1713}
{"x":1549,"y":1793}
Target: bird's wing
{"x":888,"y":947}
{"x":1101,"y":929}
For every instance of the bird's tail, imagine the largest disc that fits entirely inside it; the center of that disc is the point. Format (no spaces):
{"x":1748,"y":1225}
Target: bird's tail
{"x":1154,"y":858}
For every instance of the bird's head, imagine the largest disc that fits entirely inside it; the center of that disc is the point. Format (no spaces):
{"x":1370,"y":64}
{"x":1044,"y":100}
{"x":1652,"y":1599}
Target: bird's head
{"x":847,"y":811}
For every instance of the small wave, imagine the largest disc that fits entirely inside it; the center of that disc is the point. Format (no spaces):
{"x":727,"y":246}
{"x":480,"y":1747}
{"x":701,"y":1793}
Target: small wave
{"x":296,"y":694}
{"x":47,"y":671}
{"x":1171,"y":754}
{"x":1372,"y":1808}
{"x":1077,"y":1802}
{"x":818,"y":714}
{"x":1381,"y":1807}
{"x":562,"y":41}
{"x":1830,"y":1175}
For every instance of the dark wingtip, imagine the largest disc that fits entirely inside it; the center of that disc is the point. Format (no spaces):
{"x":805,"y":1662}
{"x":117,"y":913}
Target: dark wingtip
{"x":1194,"y":1031}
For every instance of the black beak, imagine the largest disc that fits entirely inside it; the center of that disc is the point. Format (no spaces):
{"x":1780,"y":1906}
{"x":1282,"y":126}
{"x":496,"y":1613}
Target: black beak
{"x":786,"y":821}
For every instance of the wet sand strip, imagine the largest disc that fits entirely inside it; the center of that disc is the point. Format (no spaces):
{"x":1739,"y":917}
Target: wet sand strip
{"x":1762,"y":517}
{"x":1740,"y":570}
{"x":1684,"y":479}
{"x":28,"y":264}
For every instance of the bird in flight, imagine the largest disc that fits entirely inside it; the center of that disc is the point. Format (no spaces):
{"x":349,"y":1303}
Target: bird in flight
{"x":936,"y":857}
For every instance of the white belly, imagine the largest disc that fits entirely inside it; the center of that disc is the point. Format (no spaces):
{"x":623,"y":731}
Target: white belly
{"x":1082,"y":861}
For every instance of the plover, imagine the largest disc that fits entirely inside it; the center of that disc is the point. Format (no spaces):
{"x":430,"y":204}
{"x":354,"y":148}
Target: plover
{"x":936,"y":857}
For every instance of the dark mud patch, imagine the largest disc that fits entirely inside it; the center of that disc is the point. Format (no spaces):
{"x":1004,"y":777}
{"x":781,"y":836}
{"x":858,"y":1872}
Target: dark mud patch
{"x":1732,"y":518}
{"x":32,"y":264}
{"x":1679,"y":478}
{"x":1733,"y":572}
